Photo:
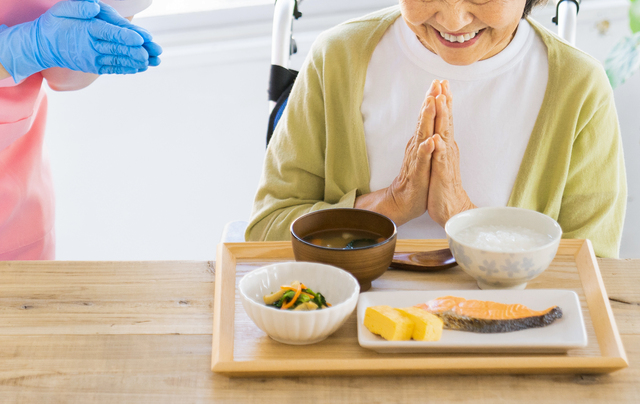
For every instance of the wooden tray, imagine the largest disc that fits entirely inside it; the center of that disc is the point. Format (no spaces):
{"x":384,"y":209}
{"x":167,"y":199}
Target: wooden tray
{"x":241,"y":349}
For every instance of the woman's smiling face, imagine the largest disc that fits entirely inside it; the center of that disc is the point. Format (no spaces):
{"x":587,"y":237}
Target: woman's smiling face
{"x":463,"y":31}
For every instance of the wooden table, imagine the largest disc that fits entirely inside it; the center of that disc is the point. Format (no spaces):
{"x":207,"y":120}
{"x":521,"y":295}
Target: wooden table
{"x":140,"y":332}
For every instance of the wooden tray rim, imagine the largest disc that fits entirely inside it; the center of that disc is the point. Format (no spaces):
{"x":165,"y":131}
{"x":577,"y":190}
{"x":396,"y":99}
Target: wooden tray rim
{"x":613,"y":356}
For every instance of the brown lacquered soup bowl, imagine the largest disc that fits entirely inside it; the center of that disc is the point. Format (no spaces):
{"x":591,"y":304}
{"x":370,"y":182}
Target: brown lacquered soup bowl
{"x":365,"y":263}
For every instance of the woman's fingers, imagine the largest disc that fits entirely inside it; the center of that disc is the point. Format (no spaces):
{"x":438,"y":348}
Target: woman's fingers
{"x":446,"y":194}
{"x":426,"y":121}
{"x":410,"y":188}
{"x":440,"y":148}
{"x":435,"y":89}
{"x":443,"y":118}
{"x":446,"y":90}
{"x":425,"y":152}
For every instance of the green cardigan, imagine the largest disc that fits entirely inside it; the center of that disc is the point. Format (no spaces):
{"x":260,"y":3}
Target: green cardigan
{"x":572,"y":169}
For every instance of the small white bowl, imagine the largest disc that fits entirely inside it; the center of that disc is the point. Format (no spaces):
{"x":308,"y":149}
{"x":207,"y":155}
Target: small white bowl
{"x":339,"y":287}
{"x":499,"y":269}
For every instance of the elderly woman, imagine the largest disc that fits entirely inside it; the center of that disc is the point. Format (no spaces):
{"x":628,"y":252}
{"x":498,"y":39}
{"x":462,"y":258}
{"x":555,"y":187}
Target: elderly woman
{"x":425,"y":110}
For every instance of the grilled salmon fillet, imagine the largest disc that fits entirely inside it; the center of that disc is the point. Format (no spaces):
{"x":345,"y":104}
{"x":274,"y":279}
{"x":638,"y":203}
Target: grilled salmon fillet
{"x":480,"y":316}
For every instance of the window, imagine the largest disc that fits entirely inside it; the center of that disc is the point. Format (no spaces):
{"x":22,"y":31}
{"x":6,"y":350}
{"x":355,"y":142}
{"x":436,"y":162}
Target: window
{"x":167,"y":7}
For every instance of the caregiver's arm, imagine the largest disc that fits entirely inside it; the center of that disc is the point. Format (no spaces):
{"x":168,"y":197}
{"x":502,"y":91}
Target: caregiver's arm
{"x":60,"y":79}
{"x":4,"y":74}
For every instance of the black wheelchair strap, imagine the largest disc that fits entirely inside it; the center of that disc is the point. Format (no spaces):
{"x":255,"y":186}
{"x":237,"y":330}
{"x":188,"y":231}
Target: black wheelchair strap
{"x":279,"y":79}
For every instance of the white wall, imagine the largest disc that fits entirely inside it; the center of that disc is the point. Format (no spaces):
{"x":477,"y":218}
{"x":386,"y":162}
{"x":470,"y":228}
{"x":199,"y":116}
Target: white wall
{"x":151,"y":166}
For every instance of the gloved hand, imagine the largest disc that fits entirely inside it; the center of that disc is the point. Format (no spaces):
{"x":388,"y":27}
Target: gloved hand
{"x":68,"y":35}
{"x":110,"y":15}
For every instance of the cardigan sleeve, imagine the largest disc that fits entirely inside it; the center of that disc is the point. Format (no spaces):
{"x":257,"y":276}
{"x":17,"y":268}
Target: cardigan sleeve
{"x":293,"y":179}
{"x":594,"y":198}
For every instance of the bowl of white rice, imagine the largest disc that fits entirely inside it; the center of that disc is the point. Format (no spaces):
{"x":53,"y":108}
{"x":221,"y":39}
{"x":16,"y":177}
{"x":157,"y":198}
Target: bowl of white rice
{"x":503,"y":247}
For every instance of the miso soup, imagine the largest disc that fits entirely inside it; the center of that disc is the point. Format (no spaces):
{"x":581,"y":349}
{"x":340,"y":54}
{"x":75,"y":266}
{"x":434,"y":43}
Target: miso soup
{"x":344,"y":238}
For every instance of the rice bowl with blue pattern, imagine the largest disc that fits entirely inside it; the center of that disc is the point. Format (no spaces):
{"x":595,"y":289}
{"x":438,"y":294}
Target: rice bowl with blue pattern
{"x":503,"y":247}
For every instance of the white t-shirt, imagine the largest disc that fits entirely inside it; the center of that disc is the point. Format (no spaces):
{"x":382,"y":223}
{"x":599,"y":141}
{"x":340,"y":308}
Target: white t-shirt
{"x":128,"y":8}
{"x":495,"y":105}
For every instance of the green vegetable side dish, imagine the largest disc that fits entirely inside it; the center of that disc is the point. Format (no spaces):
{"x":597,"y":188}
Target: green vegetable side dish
{"x":296,"y":297}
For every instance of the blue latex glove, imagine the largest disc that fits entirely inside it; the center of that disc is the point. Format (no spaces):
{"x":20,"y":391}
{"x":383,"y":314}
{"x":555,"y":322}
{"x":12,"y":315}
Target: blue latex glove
{"x":110,"y":15}
{"x":68,"y":35}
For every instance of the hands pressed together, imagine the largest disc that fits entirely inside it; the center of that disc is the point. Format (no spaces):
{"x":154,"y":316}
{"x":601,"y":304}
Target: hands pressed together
{"x":81,"y":35}
{"x":429,"y":180}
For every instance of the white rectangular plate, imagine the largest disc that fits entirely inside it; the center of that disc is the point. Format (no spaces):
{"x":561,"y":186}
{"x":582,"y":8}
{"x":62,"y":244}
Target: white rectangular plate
{"x":563,"y":334}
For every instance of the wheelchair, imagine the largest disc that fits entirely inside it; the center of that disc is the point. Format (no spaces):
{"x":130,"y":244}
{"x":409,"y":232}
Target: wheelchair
{"x":283,"y":45}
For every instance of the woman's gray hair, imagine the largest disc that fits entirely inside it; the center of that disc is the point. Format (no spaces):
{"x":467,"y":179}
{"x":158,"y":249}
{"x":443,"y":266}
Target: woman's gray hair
{"x":530,"y":5}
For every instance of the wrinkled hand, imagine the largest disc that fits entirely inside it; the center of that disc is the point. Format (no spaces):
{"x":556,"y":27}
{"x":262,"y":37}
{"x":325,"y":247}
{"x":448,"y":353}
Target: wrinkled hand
{"x":409,"y":190}
{"x":446,"y":195}
{"x":68,"y":35}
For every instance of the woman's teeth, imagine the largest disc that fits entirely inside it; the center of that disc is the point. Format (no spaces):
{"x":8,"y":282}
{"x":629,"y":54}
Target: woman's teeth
{"x":458,"y":38}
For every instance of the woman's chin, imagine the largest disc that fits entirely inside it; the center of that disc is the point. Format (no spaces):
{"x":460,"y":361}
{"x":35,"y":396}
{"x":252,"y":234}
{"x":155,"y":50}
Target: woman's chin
{"x":456,"y":59}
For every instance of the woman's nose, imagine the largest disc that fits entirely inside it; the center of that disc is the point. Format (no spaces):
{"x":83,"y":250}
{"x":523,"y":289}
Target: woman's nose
{"x":453,"y":18}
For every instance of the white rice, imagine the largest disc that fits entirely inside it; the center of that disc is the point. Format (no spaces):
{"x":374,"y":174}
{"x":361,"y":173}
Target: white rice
{"x":503,"y":238}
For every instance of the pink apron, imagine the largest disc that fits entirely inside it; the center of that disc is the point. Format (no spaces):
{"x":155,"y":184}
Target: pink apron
{"x":27,"y":209}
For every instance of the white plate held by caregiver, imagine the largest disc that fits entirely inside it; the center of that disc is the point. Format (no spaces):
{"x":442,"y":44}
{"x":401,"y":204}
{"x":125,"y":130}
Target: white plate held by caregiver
{"x":563,"y":334}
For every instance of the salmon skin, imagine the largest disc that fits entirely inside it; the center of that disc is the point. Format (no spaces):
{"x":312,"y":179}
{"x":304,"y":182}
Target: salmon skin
{"x":480,"y":316}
